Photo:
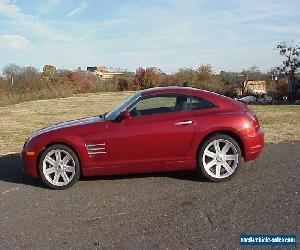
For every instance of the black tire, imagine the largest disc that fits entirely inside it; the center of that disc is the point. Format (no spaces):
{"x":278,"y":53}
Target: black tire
{"x":75,"y":162}
{"x":222,"y":139}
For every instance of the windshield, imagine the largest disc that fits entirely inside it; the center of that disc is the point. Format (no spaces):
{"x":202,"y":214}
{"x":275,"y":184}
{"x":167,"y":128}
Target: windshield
{"x":112,"y":115}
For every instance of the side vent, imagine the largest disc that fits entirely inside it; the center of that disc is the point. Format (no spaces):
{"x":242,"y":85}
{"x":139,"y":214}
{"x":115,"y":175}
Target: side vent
{"x":96,"y":149}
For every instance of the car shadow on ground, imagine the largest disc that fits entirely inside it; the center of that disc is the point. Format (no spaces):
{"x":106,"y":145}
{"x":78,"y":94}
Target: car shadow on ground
{"x":11,"y":171}
{"x":179,"y":175}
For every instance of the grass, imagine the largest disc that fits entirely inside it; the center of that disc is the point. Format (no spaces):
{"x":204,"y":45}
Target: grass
{"x":279,"y":122}
{"x":26,"y":96}
{"x":18,"y":121}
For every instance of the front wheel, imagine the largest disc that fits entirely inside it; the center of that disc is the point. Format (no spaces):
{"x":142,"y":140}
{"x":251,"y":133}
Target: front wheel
{"x":59,"y":167}
{"x":219,"y":158}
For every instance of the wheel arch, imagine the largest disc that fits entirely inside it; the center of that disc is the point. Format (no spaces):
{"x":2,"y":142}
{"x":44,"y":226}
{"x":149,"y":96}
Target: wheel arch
{"x":54,"y":143}
{"x":232,"y":134}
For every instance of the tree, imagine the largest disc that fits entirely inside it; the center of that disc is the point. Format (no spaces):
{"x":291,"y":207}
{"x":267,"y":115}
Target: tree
{"x":282,"y":86}
{"x":290,"y":64}
{"x":229,"y":78}
{"x":82,"y":81}
{"x":139,"y":78}
{"x":147,"y":78}
{"x":49,"y":74}
{"x":123,"y":84}
{"x":30,"y":78}
{"x":204,"y":72}
{"x":11,"y":70}
{"x":125,"y":81}
{"x":253,"y":73}
{"x":185,"y":77}
{"x":152,"y":77}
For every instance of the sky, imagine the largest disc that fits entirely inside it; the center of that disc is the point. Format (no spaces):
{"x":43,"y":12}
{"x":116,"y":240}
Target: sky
{"x":169,"y":34}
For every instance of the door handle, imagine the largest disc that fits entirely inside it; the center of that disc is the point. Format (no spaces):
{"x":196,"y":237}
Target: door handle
{"x":183,"y":123}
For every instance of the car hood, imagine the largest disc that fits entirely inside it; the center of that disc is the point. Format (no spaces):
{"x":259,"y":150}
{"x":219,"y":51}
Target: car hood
{"x":67,"y":124}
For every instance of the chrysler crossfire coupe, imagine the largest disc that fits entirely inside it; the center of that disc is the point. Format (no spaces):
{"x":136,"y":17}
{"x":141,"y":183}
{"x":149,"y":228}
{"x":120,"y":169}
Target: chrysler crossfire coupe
{"x":155,"y":130}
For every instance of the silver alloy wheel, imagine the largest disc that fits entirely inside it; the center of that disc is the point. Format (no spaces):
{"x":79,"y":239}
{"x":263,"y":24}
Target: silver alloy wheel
{"x":220,"y":158}
{"x":59,"y":167}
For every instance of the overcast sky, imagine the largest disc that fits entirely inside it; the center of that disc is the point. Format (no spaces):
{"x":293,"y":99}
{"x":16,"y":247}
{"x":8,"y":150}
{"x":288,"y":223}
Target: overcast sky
{"x":170,"y":34}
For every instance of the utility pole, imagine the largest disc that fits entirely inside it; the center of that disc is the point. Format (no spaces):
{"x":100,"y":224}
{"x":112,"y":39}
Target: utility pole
{"x":274,"y":78}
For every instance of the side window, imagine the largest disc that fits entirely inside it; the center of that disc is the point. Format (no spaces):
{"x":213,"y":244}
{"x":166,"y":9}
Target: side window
{"x":159,"y":104}
{"x":199,"y":103}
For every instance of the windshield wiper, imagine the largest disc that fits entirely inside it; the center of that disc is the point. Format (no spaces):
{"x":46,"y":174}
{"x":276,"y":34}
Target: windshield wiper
{"x":103,"y":116}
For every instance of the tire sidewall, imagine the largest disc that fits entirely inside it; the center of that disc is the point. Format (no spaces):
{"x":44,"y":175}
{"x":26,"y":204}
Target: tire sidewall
{"x":200,"y":168}
{"x":75,"y":158}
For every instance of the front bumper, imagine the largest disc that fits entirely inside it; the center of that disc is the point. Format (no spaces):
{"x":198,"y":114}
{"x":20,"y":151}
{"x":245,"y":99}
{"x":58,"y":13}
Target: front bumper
{"x":29,"y":163}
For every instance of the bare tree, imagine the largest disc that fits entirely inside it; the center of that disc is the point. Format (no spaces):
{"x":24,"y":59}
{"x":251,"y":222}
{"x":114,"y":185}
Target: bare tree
{"x":290,"y":64}
{"x":11,"y":70}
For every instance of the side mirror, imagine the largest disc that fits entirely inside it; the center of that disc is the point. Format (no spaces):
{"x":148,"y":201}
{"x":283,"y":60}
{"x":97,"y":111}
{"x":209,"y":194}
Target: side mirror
{"x":124,"y":115}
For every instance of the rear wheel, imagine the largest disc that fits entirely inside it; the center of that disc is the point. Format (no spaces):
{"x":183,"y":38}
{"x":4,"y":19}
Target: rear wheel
{"x":219,"y":158}
{"x":59,"y":167}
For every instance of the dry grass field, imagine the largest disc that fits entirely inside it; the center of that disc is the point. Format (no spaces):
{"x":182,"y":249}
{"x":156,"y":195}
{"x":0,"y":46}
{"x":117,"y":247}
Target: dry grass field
{"x":18,"y":121}
{"x":280,"y":123}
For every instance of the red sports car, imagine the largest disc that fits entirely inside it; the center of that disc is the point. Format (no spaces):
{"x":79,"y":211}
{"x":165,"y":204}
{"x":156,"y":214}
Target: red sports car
{"x":155,"y":130}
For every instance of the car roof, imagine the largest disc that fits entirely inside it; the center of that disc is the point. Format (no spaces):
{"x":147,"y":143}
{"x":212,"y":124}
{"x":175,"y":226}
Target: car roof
{"x":217,"y":99}
{"x":169,"y":89}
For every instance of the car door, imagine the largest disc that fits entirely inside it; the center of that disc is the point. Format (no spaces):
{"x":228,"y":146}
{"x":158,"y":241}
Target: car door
{"x":157,"y":136}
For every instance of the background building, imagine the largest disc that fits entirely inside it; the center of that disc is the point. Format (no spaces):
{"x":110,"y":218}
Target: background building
{"x":250,"y":87}
{"x":100,"y":71}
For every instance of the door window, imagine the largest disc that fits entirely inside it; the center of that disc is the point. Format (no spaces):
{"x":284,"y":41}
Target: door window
{"x":159,"y":104}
